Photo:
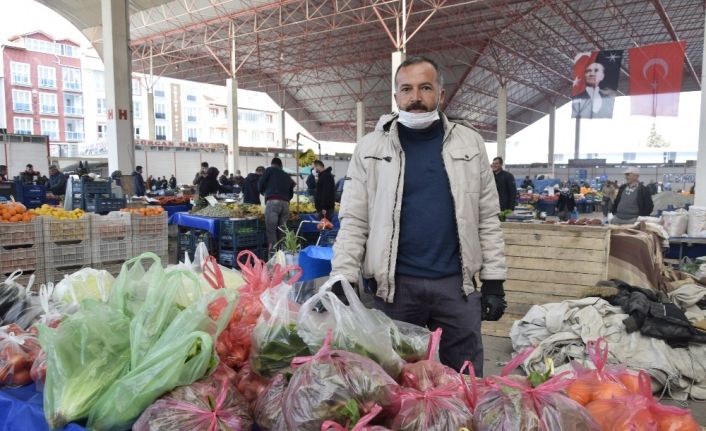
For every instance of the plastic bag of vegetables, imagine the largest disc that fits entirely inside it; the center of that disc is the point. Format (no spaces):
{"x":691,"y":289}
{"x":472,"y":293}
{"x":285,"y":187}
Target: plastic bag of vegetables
{"x":209,"y":404}
{"x":428,"y":374}
{"x":134,"y":281}
{"x":17,"y":303}
{"x":275,"y":340}
{"x":38,"y":372}
{"x":437,"y":409}
{"x":333,"y":385}
{"x":640,"y":412}
{"x":86,"y":353}
{"x":85,"y":283}
{"x":360,"y":425}
{"x":411,"y":341}
{"x":181,"y":355}
{"x":18,"y":350}
{"x":250,"y":384}
{"x":267,"y":410}
{"x":604,"y":382}
{"x":355,"y":327}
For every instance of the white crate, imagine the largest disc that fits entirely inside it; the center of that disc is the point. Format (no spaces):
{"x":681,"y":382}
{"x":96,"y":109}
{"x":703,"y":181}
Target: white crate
{"x":114,"y":226}
{"x":66,"y":231}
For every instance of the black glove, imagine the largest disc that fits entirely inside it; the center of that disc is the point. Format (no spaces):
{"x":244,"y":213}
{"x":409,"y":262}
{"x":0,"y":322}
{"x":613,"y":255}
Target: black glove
{"x":493,"y":303}
{"x":337,"y":289}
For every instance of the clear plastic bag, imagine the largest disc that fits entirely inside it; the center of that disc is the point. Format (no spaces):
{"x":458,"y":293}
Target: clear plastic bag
{"x":82,"y":284}
{"x":275,"y":339}
{"x":38,"y":372}
{"x":362,"y":425}
{"x":355,"y":327}
{"x":267,"y":410}
{"x":207,"y":405}
{"x":437,"y":409}
{"x":411,"y":341}
{"x":18,"y":350}
{"x":324,"y":385}
{"x":17,"y":303}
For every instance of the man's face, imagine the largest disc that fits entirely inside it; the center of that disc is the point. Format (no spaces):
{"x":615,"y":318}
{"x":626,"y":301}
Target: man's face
{"x":631,"y":178}
{"x":496,"y":166}
{"x":29,"y":169}
{"x":418,"y":88}
{"x":594,"y":74}
{"x":318,"y":168}
{"x":53,"y":171}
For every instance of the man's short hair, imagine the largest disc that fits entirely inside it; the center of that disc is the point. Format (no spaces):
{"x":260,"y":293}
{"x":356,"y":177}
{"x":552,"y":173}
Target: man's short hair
{"x":204,"y":164}
{"x":53,"y":168}
{"x":319,"y":163}
{"x":260,"y":169}
{"x":29,"y":165}
{"x":418,"y":59}
{"x":499,"y":159}
{"x":276,"y":161}
{"x":138,"y":168}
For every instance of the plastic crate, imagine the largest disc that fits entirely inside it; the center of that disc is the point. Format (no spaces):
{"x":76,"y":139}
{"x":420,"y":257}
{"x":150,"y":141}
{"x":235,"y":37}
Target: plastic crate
{"x":111,"y":227}
{"x":185,"y":240}
{"x":26,"y":258}
{"x":21,"y":233}
{"x":228,"y":258}
{"x":66,"y":231}
{"x":149,"y":226}
{"x":113,"y":268}
{"x":245,"y":225}
{"x":158,"y":246}
{"x":111,"y":251}
{"x":231,"y":241}
{"x":67,"y":255}
{"x":95,"y":187}
{"x":327,"y":238}
{"x":104,"y":205}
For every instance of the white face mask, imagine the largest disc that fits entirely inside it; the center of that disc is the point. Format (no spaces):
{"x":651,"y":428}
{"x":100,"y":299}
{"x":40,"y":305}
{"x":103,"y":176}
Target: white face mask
{"x":418,"y":120}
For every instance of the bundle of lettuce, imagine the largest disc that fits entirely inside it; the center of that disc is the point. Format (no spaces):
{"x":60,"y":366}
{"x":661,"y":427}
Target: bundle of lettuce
{"x":110,"y":360}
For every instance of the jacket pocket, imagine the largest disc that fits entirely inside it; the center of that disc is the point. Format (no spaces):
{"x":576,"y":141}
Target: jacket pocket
{"x":464,"y":170}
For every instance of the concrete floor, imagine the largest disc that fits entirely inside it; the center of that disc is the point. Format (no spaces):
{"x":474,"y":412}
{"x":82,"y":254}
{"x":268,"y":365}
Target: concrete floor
{"x":498,"y":350}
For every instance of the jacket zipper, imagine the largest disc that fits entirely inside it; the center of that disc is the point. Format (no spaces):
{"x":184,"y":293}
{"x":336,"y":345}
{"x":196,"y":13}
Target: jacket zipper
{"x":390,"y":276}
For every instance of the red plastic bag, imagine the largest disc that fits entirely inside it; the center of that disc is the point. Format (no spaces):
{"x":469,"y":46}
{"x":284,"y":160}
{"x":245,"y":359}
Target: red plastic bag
{"x":233,"y":345}
{"x":18,"y":350}
{"x":328,"y":385}
{"x":38,"y":372}
{"x":362,"y":424}
{"x":437,"y":409}
{"x":640,"y":412}
{"x":268,"y":407}
{"x":210,"y":404}
{"x":428,"y":373}
{"x":604,"y":382}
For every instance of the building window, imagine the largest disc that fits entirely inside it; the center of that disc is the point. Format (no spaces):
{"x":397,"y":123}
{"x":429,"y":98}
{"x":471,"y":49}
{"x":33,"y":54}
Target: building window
{"x":50,"y":128}
{"x":256,"y":135}
{"x":136,"y":87}
{"x":213,"y":112}
{"x":158,"y":90}
{"x":72,"y":78}
{"x":69,"y":50}
{"x":190,"y":98}
{"x":20,"y":73}
{"x":192,"y":134}
{"x":23,"y":126}
{"x":160,"y":133}
{"x":270,"y":136}
{"x":251,"y":116}
{"x":269,"y":118}
{"x":73,"y":104}
{"x":47,"y":103}
{"x":100,"y":106}
{"x":192,"y":114}
{"x":160,"y":111}
{"x":21,"y":101}
{"x":99,"y":80}
{"x":102,"y":131}
{"x":136,"y":110}
{"x":73,"y":130}
{"x":137,"y":132}
{"x":47,"y":76}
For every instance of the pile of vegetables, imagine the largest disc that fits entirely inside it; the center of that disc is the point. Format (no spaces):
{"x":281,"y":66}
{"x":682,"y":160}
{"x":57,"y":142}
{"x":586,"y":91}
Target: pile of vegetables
{"x":246,"y":210}
{"x":150,"y":211}
{"x":13,"y":212}
{"x":214,"y":211}
{"x":18,"y":350}
{"x":172,"y":200}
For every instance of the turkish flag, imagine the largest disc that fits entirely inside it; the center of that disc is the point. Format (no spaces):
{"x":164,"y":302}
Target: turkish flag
{"x":656,"y":73}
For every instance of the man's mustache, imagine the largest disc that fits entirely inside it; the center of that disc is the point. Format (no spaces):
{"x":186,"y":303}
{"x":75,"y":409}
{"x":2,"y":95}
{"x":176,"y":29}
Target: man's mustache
{"x":416,"y":105}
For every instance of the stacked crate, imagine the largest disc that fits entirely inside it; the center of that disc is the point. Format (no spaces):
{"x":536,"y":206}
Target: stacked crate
{"x":22,"y":248}
{"x":111,"y":241}
{"x":67,"y":246}
{"x":237,"y":235}
{"x":150,"y":233}
{"x":188,"y":240}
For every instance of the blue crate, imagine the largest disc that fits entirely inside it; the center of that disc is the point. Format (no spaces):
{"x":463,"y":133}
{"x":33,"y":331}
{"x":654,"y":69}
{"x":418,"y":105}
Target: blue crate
{"x":232,"y":241}
{"x":105,"y":205}
{"x":239,"y":225}
{"x":228,"y":258}
{"x":95,"y":187}
{"x":185,"y":240}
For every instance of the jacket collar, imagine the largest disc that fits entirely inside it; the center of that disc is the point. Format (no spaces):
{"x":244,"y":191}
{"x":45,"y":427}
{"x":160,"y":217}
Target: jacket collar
{"x":388,"y":124}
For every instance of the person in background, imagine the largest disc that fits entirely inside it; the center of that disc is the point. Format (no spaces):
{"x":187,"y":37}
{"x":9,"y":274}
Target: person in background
{"x":224,"y":180}
{"x":138,"y":183}
{"x":29,"y":175}
{"x":149,"y":183}
{"x":505,"y":184}
{"x":238,"y":180}
{"x":278,"y":189}
{"x":172,"y":182}
{"x":652,"y":187}
{"x":311,"y":183}
{"x":691,"y":190}
{"x":609,"y":190}
{"x":3,"y":174}
{"x":57,"y":181}
{"x":566,"y":204}
{"x":201,"y":174}
{"x":634,"y":199}
{"x":251,"y":194}
{"x":325,"y":194}
{"x":209,"y":184}
{"x":117,"y":187}
{"x":527,"y":183}
{"x":164,"y":184}
{"x":340,"y":184}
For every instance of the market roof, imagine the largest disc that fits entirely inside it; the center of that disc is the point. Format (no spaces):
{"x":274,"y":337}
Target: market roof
{"x":317,"y":57}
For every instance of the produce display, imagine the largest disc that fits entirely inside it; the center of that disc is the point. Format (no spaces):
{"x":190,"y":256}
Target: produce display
{"x":18,"y":350}
{"x":146,"y":211}
{"x":15,"y":213}
{"x":58,"y":213}
{"x":172,"y":200}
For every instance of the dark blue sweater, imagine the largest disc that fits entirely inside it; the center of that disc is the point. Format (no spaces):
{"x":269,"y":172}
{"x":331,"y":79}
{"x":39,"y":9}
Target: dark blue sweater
{"x":276,"y":184}
{"x":428,"y":245}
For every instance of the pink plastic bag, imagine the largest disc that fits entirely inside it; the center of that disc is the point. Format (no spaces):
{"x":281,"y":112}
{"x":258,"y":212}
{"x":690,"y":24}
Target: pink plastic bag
{"x":211,"y":404}
{"x":268,"y":407}
{"x":362,"y":424}
{"x":324,"y":385}
{"x":428,"y":373}
{"x":438,"y":409}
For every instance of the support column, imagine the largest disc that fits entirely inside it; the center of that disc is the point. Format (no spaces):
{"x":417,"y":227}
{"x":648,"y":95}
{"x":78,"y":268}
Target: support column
{"x":118,"y":83}
{"x":700,"y":185}
{"x":502,"y":120}
{"x":359,"y":120}
{"x":398,"y":57}
{"x":282,"y":128}
{"x":150,"y":114}
{"x":233,"y":147}
{"x":552,"y":127}
{"x":577,"y":138}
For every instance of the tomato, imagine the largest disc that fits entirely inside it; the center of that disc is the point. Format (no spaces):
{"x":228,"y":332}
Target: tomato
{"x":608,"y":391}
{"x":631,"y":382}
{"x":580,"y":391}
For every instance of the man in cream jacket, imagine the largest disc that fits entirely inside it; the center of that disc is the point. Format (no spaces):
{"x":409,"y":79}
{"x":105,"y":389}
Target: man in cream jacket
{"x":419,"y":217}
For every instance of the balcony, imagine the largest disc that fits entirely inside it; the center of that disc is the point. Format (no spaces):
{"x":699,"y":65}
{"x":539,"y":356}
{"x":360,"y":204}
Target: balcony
{"x":21,"y":107}
{"x":160,"y":115}
{"x":72,"y":86}
{"x":48,"y":109}
{"x":191,"y":118}
{"x":74,"y":136}
{"x":18,"y":79}
{"x":192,"y":139}
{"x":158,"y":93}
{"x":73,"y":110}
{"x":161,"y":137}
{"x":47,"y":83}
{"x":52,"y":135}
{"x":23,"y":132}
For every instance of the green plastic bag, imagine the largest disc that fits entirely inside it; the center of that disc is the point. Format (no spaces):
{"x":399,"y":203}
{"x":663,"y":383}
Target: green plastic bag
{"x":85,"y":355}
{"x":183,"y":354}
{"x":134,"y":282}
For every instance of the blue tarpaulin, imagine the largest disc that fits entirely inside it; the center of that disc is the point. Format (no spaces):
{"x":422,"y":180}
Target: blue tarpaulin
{"x":315,"y":262}
{"x":22,"y":409}
{"x":196,"y":222}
